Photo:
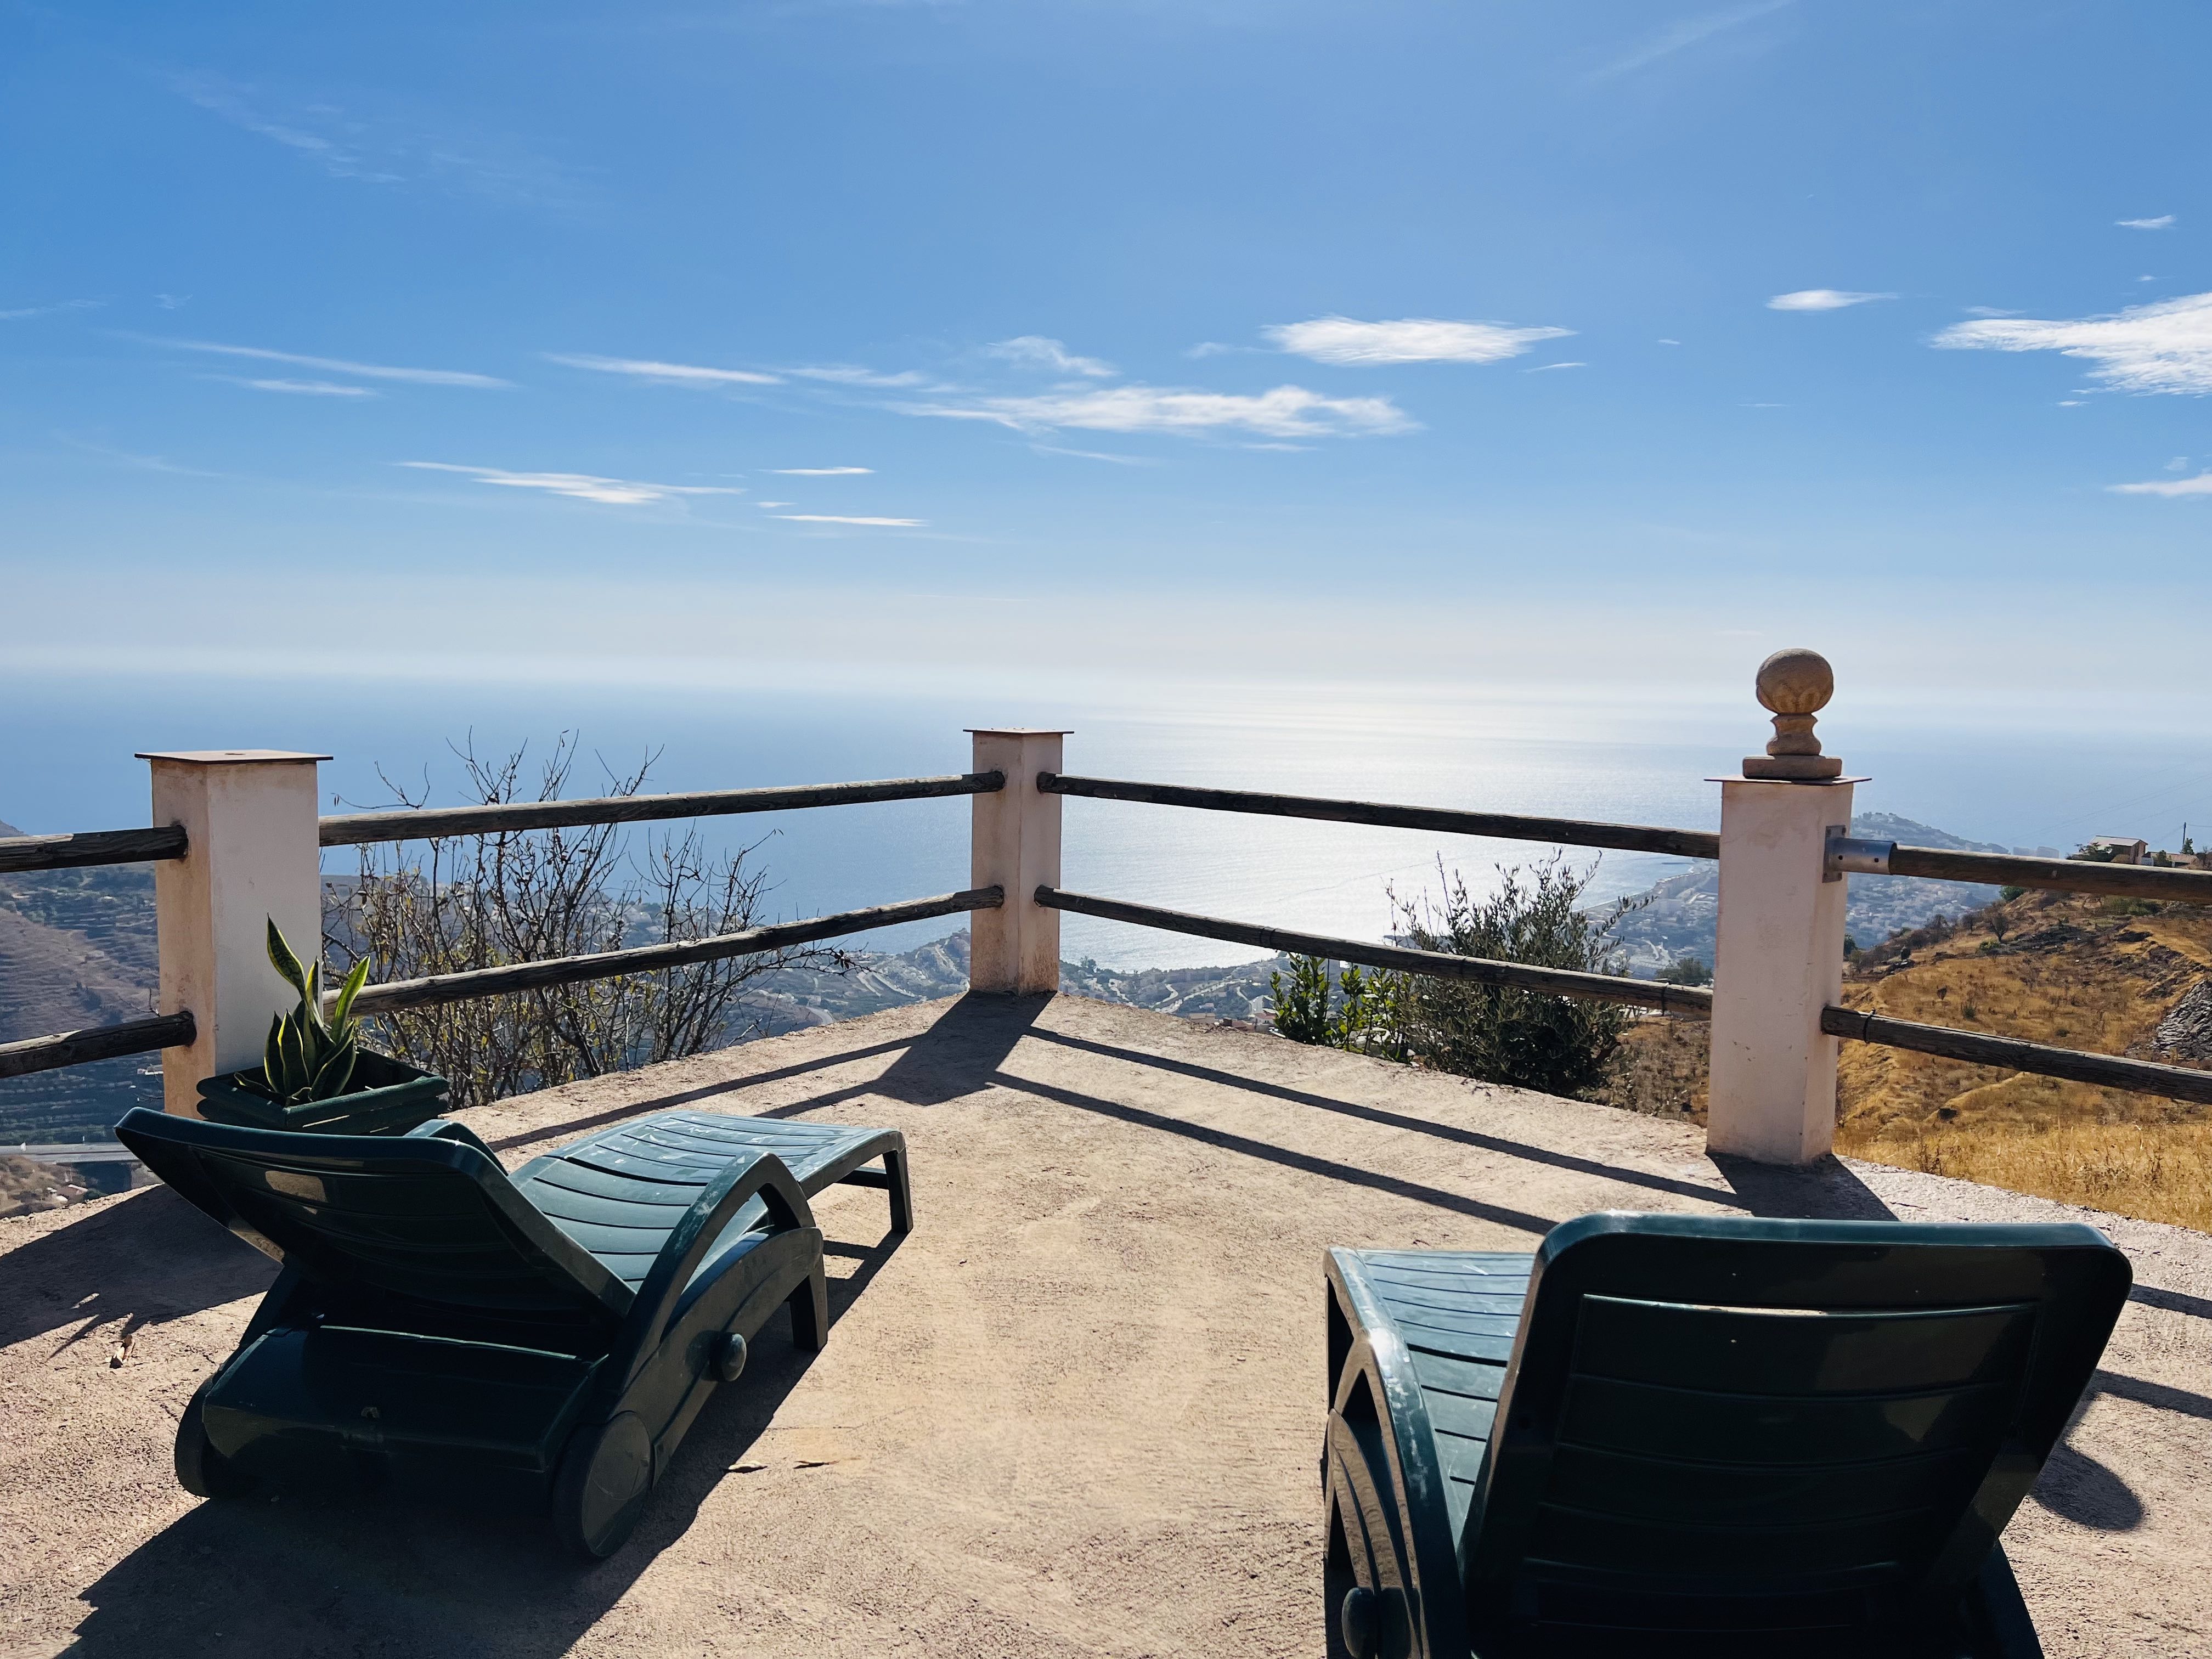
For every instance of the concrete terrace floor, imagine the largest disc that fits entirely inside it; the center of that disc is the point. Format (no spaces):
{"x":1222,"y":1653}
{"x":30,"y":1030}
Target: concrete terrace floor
{"x":1077,"y":1411}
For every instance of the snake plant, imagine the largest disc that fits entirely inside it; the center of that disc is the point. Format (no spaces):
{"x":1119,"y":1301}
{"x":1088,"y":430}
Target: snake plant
{"x":308,"y":1056}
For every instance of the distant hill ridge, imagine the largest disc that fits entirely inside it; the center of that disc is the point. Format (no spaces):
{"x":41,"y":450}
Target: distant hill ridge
{"x":1678,"y":917}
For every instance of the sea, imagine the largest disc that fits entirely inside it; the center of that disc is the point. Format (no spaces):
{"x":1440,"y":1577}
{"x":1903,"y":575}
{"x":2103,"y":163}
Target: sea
{"x":1624,"y":754}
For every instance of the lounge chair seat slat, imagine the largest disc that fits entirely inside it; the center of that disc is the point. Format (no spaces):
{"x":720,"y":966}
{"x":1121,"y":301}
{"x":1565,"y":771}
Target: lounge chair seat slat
{"x":1472,"y":1378}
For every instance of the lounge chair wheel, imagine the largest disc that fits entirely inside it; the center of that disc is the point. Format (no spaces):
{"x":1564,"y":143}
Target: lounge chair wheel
{"x":730,"y":1355}
{"x":201,"y":1469}
{"x":604,"y":1482}
{"x":1374,"y":1624}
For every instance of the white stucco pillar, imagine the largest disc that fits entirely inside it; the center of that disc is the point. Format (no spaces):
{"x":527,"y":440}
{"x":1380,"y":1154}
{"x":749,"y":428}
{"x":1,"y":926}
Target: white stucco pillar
{"x":1015,"y":846}
{"x":252,"y":854}
{"x":1778,"y":959}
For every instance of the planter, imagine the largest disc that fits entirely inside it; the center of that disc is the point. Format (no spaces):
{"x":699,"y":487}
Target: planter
{"x":388,"y":1097}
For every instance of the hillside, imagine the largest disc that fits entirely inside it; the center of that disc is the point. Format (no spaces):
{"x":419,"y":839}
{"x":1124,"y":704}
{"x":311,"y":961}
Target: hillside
{"x":76,"y":948}
{"x":2116,"y":977}
{"x":1677,"y":917}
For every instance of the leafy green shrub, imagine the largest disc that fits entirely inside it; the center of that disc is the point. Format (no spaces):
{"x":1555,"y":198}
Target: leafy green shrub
{"x":1693,"y":971}
{"x":1529,"y":1039}
{"x":1364,"y":1017}
{"x":2008,"y":894}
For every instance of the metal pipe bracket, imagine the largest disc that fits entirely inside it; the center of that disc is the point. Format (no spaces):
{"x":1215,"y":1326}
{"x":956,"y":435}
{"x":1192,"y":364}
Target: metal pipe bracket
{"x":1847,"y":855}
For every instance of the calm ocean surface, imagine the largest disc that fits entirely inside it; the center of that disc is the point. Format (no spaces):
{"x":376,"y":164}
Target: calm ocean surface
{"x":66,"y":748}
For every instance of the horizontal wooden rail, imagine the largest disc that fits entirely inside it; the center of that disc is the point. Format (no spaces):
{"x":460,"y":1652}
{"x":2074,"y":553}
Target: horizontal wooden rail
{"x":2054,"y":875}
{"x":1434,"y":964}
{"x":1510,"y":826}
{"x":425,"y":823}
{"x":132,"y":1036}
{"x":653,"y":958}
{"x":91,"y":848}
{"x":2142,"y":1077}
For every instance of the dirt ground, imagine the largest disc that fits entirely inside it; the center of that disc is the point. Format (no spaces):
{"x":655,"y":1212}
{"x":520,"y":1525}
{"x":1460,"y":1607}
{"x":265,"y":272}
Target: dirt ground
{"x":1077,"y":1411}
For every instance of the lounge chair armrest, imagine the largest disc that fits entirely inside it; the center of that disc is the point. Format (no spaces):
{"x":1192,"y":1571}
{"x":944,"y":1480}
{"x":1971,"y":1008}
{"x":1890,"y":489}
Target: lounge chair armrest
{"x":1380,"y":1419}
{"x":444,"y":1128}
{"x":763,"y":1175}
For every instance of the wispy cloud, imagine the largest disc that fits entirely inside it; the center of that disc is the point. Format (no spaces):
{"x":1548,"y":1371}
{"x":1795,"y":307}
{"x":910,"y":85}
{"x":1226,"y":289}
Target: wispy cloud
{"x":1037,"y":351}
{"x":1287,"y":411}
{"x":23,"y":313}
{"x":1688,"y":31}
{"x":641,"y":369}
{"x":1347,"y":341}
{"x":309,"y":388}
{"x":1122,"y":460}
{"x":1989,"y":311}
{"x":387,"y":148}
{"x":1822,"y":299}
{"x":336,"y":365}
{"x":1546,"y":368}
{"x":578,"y":486}
{"x":853,"y":375}
{"x":138,"y":463}
{"x":2199,"y":485}
{"x":840,"y":517}
{"x":173,"y":302}
{"x":820,"y":472}
{"x":2164,"y":221}
{"x":2162,"y":348}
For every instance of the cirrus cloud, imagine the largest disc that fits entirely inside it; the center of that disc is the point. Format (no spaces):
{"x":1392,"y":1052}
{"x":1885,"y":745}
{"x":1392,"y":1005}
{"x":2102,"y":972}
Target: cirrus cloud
{"x":1822,"y":299}
{"x":1285,"y":411}
{"x":2164,"y":221}
{"x":841,"y":518}
{"x":643,"y":368}
{"x":1347,"y":341}
{"x":1037,"y":351}
{"x":2162,"y":347}
{"x":578,"y":486}
{"x":336,"y":365}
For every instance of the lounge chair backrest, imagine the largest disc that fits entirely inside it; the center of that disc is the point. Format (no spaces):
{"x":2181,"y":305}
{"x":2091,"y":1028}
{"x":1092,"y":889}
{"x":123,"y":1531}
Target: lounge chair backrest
{"x":430,"y":1216}
{"x":1721,"y":1424}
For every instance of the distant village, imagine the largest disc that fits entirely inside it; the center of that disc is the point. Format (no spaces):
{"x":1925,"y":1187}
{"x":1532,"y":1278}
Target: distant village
{"x":2129,"y":849}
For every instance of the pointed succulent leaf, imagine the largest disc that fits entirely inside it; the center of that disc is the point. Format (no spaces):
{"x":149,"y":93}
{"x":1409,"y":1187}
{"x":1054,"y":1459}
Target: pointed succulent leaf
{"x":336,"y":1073}
{"x":272,"y":1056}
{"x":292,"y":1045}
{"x":340,"y":1010}
{"x":286,"y":962}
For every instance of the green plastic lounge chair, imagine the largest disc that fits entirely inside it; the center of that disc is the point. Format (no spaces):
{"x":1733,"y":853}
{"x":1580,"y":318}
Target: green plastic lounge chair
{"x":544,"y":1340}
{"x":1667,"y":1434}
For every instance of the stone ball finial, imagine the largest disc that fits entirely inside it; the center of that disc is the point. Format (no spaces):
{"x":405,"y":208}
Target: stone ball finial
{"x":1795,"y":685}
{"x":1795,"y":682}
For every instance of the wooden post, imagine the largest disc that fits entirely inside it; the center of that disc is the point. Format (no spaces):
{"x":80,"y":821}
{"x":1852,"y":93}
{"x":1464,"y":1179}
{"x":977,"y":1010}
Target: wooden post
{"x":1780,"y":955}
{"x":1016,"y":948}
{"x":252,"y":855}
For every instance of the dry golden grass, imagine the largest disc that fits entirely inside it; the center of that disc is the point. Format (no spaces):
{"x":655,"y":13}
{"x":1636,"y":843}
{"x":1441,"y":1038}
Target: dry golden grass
{"x":2154,"y":1171}
{"x":2099,"y":980}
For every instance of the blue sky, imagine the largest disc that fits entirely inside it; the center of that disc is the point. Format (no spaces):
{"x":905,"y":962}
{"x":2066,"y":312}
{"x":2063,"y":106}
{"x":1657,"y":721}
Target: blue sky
{"x":1114,"y":344}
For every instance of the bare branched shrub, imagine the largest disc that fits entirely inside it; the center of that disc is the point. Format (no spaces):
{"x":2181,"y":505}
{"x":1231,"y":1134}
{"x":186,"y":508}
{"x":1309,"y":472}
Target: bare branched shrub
{"x":448,"y":906}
